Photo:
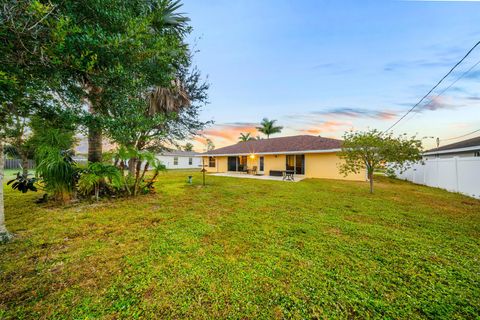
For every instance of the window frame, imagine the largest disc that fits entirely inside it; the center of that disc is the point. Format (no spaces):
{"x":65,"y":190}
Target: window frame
{"x":175,"y":160}
{"x":210,"y":159}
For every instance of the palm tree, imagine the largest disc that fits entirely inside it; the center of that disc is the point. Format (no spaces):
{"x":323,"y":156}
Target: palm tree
{"x":163,"y":100}
{"x":267,"y":127}
{"x":188,"y":147}
{"x":245,"y":137}
{"x":166,"y":100}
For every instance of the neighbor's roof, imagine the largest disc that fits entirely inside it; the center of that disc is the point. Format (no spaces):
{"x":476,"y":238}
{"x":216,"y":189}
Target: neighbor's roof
{"x":464,"y":145}
{"x":303,"y":143}
{"x":179,"y":153}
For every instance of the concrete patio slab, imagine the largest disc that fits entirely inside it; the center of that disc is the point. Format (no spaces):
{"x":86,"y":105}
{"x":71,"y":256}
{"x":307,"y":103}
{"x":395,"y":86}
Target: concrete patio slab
{"x":251,"y":176}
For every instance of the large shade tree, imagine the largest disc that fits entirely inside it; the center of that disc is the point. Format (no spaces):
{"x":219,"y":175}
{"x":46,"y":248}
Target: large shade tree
{"x":161,"y":117}
{"x":372,"y":150}
{"x":111,"y":46}
{"x":26,"y":69}
{"x":267,"y":127}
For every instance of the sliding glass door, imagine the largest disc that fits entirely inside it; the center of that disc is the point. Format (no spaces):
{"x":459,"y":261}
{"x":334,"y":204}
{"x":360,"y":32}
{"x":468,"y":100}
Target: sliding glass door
{"x":295,"y":163}
{"x":232,"y":163}
{"x":237,"y":163}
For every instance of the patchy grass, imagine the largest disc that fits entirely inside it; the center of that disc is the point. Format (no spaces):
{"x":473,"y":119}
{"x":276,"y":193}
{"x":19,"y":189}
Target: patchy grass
{"x":243,"y":248}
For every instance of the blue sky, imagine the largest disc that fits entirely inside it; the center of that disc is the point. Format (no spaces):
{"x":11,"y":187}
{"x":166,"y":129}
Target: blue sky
{"x":323,"y":67}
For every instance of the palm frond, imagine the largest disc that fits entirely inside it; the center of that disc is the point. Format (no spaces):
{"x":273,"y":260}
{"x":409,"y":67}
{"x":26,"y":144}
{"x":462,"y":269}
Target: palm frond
{"x":166,"y":100}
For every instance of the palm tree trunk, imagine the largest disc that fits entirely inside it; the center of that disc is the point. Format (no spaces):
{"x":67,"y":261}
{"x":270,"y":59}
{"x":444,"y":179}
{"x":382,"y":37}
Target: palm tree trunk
{"x":94,"y":130}
{"x":24,"y":164}
{"x":94,"y":144}
{"x":132,"y":165}
{"x":4,"y":234}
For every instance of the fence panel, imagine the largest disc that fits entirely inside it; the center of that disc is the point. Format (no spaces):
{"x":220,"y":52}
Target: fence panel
{"x":453,"y":174}
{"x":17,"y":164}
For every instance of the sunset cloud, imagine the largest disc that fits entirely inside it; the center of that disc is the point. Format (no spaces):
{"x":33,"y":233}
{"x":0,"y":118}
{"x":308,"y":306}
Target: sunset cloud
{"x":229,"y":132}
{"x":359,"y":113}
{"x":327,"y":127}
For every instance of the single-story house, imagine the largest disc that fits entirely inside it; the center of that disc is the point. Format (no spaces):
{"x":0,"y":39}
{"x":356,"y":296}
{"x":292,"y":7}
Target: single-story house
{"x":465,"y":148}
{"x":306,"y":155}
{"x":179,"y":159}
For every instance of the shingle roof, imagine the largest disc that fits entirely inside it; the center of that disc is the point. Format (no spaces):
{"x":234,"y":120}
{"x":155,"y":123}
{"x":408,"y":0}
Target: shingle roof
{"x":474,"y":142}
{"x":283,"y":144}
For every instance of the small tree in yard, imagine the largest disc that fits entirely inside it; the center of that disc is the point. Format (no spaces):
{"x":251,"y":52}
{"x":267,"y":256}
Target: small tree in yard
{"x":373,"y":149}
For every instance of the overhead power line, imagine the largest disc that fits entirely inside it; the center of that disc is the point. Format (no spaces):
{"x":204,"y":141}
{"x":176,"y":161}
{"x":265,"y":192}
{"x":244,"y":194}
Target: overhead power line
{"x":470,"y":133}
{"x":448,"y":87}
{"x":434,"y":87}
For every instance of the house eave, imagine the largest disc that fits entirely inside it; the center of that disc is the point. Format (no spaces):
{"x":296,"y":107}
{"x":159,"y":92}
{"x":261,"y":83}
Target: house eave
{"x":271,"y":153}
{"x":474,"y":148}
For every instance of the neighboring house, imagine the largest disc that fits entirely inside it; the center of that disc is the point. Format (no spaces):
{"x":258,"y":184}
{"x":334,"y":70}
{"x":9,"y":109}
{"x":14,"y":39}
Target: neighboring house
{"x":454,"y":167}
{"x":180,"y":159}
{"x":465,"y":148}
{"x":310,"y":156}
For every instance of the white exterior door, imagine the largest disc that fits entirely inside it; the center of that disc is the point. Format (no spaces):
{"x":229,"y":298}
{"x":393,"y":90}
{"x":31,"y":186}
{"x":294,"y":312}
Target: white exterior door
{"x":261,"y":165}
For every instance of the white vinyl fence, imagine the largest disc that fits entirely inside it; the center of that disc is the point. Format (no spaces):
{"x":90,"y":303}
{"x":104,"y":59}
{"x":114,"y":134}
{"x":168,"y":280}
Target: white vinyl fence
{"x":458,"y":174}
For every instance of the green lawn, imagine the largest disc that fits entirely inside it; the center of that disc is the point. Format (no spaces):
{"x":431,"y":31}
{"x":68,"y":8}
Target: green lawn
{"x":243,"y":248}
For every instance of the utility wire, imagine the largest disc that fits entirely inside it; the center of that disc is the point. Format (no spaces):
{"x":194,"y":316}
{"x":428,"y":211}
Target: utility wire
{"x":448,"y":87}
{"x":478,"y":130}
{"x":435,"y":86}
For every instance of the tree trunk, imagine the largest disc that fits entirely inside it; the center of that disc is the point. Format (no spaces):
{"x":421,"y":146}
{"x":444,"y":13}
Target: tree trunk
{"x":370,"y":178}
{"x":24,"y":164}
{"x":132,"y":165}
{"x":94,"y":129}
{"x":4,"y":234}
{"x":94,"y":144}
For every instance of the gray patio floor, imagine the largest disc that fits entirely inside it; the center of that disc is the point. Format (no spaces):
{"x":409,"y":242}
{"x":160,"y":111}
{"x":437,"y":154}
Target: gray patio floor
{"x":251,"y":176}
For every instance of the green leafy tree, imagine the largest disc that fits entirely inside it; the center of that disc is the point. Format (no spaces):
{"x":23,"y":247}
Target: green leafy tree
{"x":245,"y":137}
{"x":373,"y":149}
{"x":267,"y":127}
{"x":138,"y":126}
{"x":113,"y":46}
{"x":188,"y":147}
{"x":25,"y":66}
{"x":92,"y":178}
{"x":133,"y":184}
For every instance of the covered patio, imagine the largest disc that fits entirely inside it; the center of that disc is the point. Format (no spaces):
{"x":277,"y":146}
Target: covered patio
{"x":297,"y":177}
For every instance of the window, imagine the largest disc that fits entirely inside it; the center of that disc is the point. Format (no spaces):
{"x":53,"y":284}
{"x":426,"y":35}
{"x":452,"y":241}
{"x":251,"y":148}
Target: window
{"x":476,"y":154}
{"x":190,"y":161}
{"x":296,"y":163}
{"x":211,"y":162}
{"x":242,"y":163}
{"x":175,"y":161}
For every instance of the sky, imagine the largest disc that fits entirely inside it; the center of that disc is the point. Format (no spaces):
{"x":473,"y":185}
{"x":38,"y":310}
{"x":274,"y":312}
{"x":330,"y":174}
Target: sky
{"x":326,"y":67}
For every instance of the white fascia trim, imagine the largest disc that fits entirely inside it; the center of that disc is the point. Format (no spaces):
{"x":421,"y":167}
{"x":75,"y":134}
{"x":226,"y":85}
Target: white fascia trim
{"x":273,"y":153}
{"x":452,"y":150}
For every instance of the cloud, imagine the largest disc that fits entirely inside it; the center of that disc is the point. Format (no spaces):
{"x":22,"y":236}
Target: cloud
{"x":473,"y":75}
{"x":420,"y":63}
{"x":230,"y":131}
{"x":439,"y":103}
{"x":358,"y":113}
{"x":332,"y":68}
{"x":326,"y":127}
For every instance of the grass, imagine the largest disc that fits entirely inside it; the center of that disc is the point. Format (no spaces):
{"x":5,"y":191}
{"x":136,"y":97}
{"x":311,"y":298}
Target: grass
{"x":242,"y":248}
